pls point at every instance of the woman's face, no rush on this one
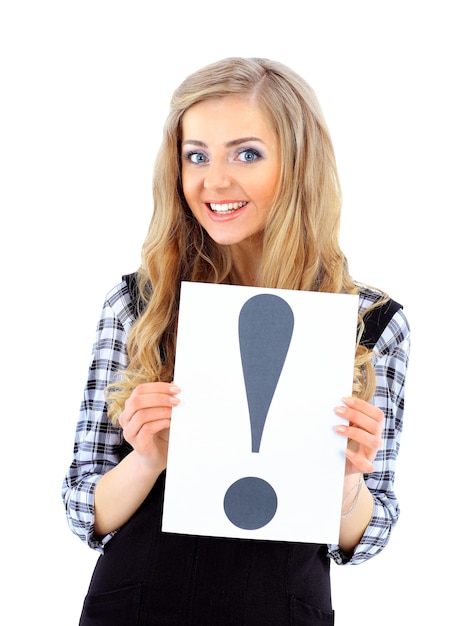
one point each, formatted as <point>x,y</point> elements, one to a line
<point>230,167</point>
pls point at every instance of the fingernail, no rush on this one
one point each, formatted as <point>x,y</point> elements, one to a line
<point>173,400</point>
<point>174,389</point>
<point>340,410</point>
<point>340,429</point>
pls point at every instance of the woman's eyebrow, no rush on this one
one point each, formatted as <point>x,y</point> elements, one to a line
<point>237,142</point>
<point>194,142</point>
<point>229,144</point>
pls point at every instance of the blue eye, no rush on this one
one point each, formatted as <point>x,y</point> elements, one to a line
<point>248,155</point>
<point>195,157</point>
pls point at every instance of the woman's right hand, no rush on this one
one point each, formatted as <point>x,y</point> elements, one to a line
<point>145,421</point>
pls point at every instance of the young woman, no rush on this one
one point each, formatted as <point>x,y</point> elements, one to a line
<point>245,192</point>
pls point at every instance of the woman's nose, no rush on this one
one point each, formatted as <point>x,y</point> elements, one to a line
<point>217,176</point>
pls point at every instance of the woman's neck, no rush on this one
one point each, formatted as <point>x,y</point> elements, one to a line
<point>247,264</point>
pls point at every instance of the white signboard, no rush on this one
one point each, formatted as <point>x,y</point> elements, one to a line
<point>252,448</point>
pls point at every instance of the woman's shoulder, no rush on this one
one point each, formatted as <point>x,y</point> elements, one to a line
<point>120,301</point>
<point>370,296</point>
<point>381,318</point>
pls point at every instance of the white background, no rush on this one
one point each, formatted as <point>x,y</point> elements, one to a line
<point>85,88</point>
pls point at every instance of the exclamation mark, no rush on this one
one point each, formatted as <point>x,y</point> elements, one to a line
<point>265,331</point>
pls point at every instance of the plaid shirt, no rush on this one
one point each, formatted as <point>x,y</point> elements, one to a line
<point>98,443</point>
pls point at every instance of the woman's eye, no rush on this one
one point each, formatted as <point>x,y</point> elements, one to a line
<point>249,155</point>
<point>196,157</point>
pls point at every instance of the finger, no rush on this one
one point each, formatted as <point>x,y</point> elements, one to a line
<point>365,465</point>
<point>359,405</point>
<point>153,428</point>
<point>140,432</point>
<point>163,435</point>
<point>131,423</point>
<point>372,424</point>
<point>156,387</point>
<point>146,407</point>
<point>362,437</point>
<point>138,401</point>
<point>363,422</point>
<point>149,435</point>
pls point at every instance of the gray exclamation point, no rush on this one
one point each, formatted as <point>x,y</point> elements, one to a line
<point>265,331</point>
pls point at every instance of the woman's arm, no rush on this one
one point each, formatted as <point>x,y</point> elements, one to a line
<point>364,433</point>
<point>145,422</point>
<point>366,531</point>
<point>103,487</point>
<point>98,445</point>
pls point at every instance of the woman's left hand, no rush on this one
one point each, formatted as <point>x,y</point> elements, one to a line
<point>364,433</point>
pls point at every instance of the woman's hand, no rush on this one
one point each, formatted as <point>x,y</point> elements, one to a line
<point>364,438</point>
<point>146,418</point>
<point>145,422</point>
<point>364,433</point>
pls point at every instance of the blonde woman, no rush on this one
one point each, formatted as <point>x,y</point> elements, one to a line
<point>245,192</point>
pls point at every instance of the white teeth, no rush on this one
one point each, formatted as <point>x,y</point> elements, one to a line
<point>226,208</point>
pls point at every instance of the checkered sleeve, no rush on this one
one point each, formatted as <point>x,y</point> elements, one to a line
<point>97,442</point>
<point>391,354</point>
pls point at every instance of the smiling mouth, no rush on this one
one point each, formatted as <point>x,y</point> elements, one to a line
<point>224,209</point>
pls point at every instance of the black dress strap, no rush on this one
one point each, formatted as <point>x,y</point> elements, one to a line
<point>376,322</point>
<point>137,304</point>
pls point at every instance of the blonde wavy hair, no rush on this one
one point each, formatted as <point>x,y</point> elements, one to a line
<point>300,241</point>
